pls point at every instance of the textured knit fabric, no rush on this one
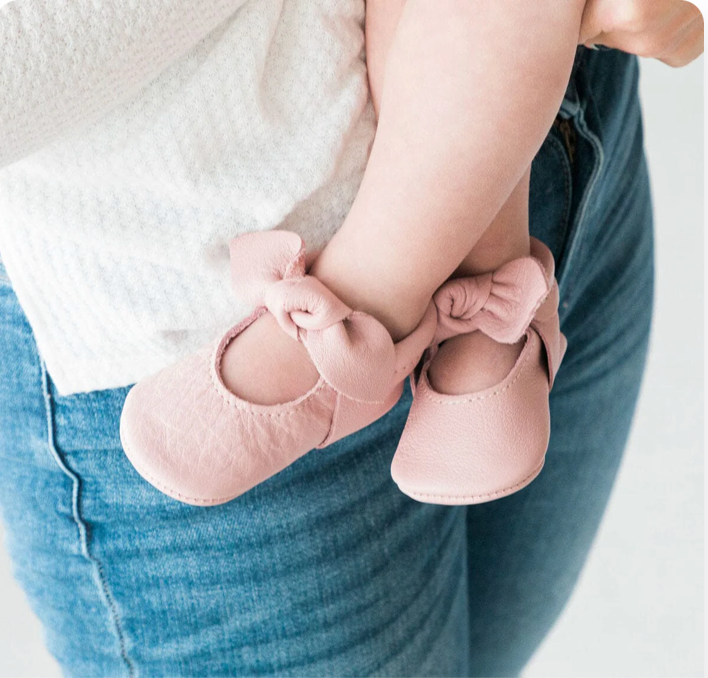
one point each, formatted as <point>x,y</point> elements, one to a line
<point>138,136</point>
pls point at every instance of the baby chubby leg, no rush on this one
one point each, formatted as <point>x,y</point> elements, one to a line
<point>463,111</point>
<point>472,362</point>
<point>468,93</point>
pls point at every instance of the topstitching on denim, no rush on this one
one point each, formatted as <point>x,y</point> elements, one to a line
<point>82,528</point>
<point>559,150</point>
<point>574,108</point>
<point>579,219</point>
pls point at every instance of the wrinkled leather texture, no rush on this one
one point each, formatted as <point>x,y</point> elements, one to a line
<point>482,446</point>
<point>197,442</point>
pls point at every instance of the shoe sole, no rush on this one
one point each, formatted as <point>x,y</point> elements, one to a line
<point>471,499</point>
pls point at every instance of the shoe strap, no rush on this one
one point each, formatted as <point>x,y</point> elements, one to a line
<point>547,323</point>
<point>499,304</point>
<point>352,351</point>
<point>410,349</point>
<point>503,304</point>
<point>546,320</point>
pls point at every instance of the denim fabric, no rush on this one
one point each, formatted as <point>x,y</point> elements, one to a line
<point>327,569</point>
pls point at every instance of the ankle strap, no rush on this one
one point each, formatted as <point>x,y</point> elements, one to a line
<point>499,304</point>
<point>505,303</point>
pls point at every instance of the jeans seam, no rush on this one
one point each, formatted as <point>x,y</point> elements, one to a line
<point>568,188</point>
<point>579,220</point>
<point>82,528</point>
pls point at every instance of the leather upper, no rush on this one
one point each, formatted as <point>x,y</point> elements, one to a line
<point>472,448</point>
<point>188,435</point>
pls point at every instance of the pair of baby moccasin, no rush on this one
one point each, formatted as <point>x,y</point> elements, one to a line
<point>197,442</point>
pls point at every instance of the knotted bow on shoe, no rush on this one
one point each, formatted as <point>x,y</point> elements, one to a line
<point>352,351</point>
<point>503,304</point>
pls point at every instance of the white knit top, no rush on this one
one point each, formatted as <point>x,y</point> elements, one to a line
<point>138,136</point>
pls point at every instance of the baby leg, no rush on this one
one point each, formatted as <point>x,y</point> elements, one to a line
<point>463,112</point>
<point>472,362</point>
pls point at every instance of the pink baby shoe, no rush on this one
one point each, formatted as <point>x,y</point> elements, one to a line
<point>196,441</point>
<point>469,449</point>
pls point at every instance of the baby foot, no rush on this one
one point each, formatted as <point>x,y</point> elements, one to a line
<point>222,420</point>
<point>472,362</point>
<point>479,425</point>
<point>266,366</point>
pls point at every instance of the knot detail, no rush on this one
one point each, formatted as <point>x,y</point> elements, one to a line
<point>505,303</point>
<point>461,299</point>
<point>500,304</point>
<point>304,303</point>
<point>353,352</point>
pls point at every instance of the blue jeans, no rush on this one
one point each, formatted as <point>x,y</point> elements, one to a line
<point>327,569</point>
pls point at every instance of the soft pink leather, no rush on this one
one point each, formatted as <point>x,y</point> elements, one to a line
<point>500,304</point>
<point>481,446</point>
<point>194,440</point>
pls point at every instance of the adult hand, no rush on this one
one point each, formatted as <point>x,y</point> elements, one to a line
<point>668,30</point>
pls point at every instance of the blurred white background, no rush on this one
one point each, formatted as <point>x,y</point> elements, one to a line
<point>638,611</point>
